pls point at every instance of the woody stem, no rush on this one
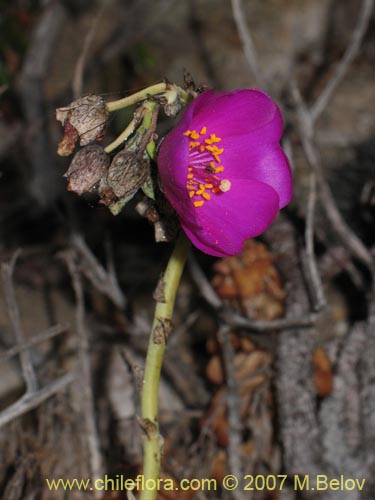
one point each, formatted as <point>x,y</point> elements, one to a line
<point>160,329</point>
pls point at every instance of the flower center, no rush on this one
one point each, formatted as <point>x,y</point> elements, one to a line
<point>205,171</point>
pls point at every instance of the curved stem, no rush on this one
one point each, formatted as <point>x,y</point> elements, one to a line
<point>161,327</point>
<point>121,138</point>
<point>159,88</point>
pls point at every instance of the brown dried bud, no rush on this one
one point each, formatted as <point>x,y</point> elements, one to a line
<point>87,168</point>
<point>127,173</point>
<point>88,115</point>
<point>67,143</point>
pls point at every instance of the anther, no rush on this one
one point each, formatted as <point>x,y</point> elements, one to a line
<point>204,165</point>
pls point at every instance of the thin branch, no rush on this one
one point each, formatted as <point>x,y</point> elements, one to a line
<point>233,405</point>
<point>118,296</point>
<point>246,39</point>
<point>337,259</point>
<point>30,401</point>
<point>28,373</point>
<point>136,373</point>
<point>204,286</point>
<point>339,226</point>
<point>104,281</point>
<point>177,367</point>
<point>235,320</point>
<point>44,183</point>
<point>84,367</point>
<point>347,59</point>
<point>79,69</point>
<point>288,149</point>
<point>314,280</point>
<point>48,334</point>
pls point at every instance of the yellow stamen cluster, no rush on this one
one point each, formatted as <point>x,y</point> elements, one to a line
<point>201,188</point>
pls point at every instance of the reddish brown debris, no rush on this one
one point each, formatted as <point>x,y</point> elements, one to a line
<point>251,283</point>
<point>67,144</point>
<point>323,375</point>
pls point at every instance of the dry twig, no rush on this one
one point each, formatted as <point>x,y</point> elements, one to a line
<point>335,260</point>
<point>350,54</point>
<point>48,334</point>
<point>32,400</point>
<point>77,83</point>
<point>28,373</point>
<point>339,226</point>
<point>43,182</point>
<point>233,405</point>
<point>84,369</point>
<point>247,41</point>
<point>104,281</point>
<point>316,287</point>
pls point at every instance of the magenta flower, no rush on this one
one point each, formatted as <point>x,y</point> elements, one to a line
<point>223,170</point>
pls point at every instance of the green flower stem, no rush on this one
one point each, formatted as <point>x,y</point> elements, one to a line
<point>121,138</point>
<point>148,110</point>
<point>159,88</point>
<point>147,120</point>
<point>160,329</point>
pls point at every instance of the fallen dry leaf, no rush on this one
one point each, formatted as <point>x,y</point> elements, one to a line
<point>251,283</point>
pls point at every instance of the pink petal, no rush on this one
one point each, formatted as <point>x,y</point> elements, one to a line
<point>254,158</point>
<point>238,112</point>
<point>228,219</point>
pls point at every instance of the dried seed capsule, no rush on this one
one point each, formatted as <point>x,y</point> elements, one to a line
<point>88,115</point>
<point>127,173</point>
<point>87,168</point>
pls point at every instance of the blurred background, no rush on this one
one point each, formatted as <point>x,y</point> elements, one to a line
<point>270,369</point>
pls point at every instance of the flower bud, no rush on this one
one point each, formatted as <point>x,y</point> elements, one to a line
<point>85,118</point>
<point>87,168</point>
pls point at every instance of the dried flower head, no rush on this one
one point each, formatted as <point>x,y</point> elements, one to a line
<point>85,118</point>
<point>223,170</point>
